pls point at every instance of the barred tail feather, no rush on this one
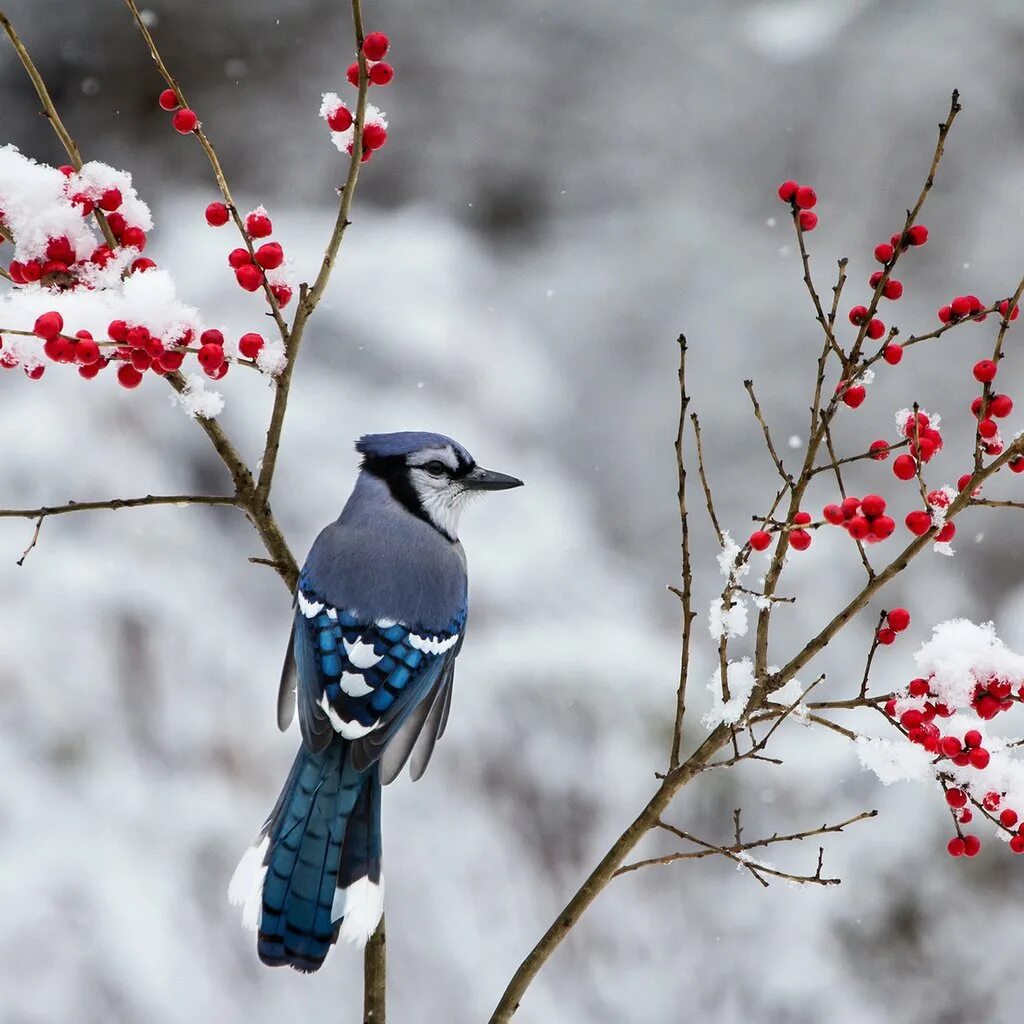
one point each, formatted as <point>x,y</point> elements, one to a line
<point>359,898</point>
<point>286,882</point>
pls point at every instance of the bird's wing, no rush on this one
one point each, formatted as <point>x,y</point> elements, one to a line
<point>376,683</point>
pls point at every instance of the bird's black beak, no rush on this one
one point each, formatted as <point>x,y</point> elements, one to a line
<point>478,479</point>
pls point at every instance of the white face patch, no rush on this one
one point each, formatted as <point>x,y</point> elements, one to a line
<point>431,644</point>
<point>446,455</point>
<point>361,655</point>
<point>361,904</point>
<point>348,730</point>
<point>442,499</point>
<point>245,889</point>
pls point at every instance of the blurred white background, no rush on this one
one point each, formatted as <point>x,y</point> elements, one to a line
<point>565,188</point>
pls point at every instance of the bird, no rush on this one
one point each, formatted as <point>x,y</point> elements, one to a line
<point>379,620</point>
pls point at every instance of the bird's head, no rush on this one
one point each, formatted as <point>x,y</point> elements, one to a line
<point>430,474</point>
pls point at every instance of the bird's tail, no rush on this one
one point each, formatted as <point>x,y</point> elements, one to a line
<point>313,874</point>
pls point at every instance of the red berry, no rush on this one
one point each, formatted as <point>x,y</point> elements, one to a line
<point>961,305</point>
<point>886,636</point>
<point>884,252</point>
<point>1000,406</point>
<point>352,74</point>
<point>1017,464</point>
<point>1008,818</point>
<point>239,258</point>
<point>918,687</point>
<point>210,356</point>
<point>759,539</point>
<point>880,449</point>
<point>117,330</point>
<point>966,815</point>
<point>991,801</point>
<point>141,360</point>
<point>800,540</point>
<point>90,370</point>
<point>955,797</point>
<point>110,200</point>
<point>872,505</point>
<point>899,619</point>
<point>892,354</point>
<point>217,215</point>
<point>917,234</point>
<point>167,362</point>
<point>858,314</point>
<point>833,514</point>
<point>258,224</point>
<point>858,527</point>
<point>1004,305</point>
<point>808,218</point>
<point>918,522</point>
<point>282,294</point>
<point>854,396</point>
<point>806,198</point>
<point>87,352</point>
<point>972,846</point>
<point>972,738</point>
<point>249,345</point>
<point>802,518</point>
<point>979,757</point>
<point>945,314</point>
<point>1017,844</point>
<point>339,120</point>
<point>956,847</point>
<point>48,325</point>
<point>270,255</point>
<point>249,277</point>
<point>882,527</point>
<point>184,121</point>
<point>985,371</point>
<point>128,376</point>
<point>946,534</point>
<point>893,289</point>
<point>218,371</point>
<point>904,467</point>
<point>142,264</point>
<point>374,136</point>
<point>787,190</point>
<point>987,428</point>
<point>169,100</point>
<point>949,746</point>
<point>850,506</point>
<point>875,329</point>
<point>381,74</point>
<point>375,46</point>
<point>34,372</point>
<point>133,238</point>
<point>117,224</point>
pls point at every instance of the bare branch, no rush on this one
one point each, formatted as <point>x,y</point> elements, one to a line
<point>704,481</point>
<point>787,479</point>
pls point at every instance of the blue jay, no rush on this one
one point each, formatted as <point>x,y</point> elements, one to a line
<point>380,615</point>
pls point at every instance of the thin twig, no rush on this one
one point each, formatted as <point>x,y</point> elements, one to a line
<point>787,479</point>
<point>218,171</point>
<point>704,481</point>
<point>51,115</point>
<point>687,575</point>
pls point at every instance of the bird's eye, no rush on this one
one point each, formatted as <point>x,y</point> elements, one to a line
<point>436,468</point>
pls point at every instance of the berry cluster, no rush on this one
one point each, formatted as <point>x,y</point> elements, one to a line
<point>802,199</point>
<point>896,621</point>
<point>799,538</point>
<point>253,265</point>
<point>184,120</point>
<point>921,429</point>
<point>863,519</point>
<point>76,256</point>
<point>375,48</point>
<point>132,347</point>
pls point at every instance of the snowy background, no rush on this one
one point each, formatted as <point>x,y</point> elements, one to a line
<point>566,187</point>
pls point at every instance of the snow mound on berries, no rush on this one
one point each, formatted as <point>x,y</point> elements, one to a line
<point>148,299</point>
<point>961,654</point>
<point>740,676</point>
<point>342,140</point>
<point>894,760</point>
<point>272,358</point>
<point>35,200</point>
<point>196,401</point>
